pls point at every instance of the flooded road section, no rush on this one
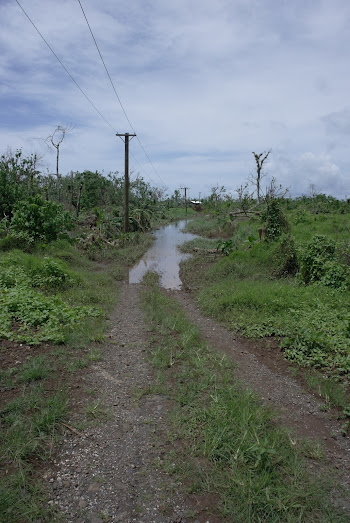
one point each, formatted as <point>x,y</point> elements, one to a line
<point>164,257</point>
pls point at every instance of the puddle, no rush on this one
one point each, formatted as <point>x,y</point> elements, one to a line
<point>163,257</point>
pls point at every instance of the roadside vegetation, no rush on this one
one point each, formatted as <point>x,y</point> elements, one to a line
<point>62,253</point>
<point>222,442</point>
<point>292,286</point>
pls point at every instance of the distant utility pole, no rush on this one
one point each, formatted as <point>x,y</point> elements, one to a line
<point>126,179</point>
<point>199,199</point>
<point>185,189</point>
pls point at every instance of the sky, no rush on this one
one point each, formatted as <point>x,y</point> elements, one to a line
<point>204,83</point>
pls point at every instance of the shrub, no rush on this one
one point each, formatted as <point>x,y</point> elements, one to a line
<point>318,263</point>
<point>276,222</point>
<point>40,219</point>
<point>287,257</point>
<point>335,275</point>
<point>313,257</point>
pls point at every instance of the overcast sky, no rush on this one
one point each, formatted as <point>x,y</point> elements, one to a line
<point>203,82</point>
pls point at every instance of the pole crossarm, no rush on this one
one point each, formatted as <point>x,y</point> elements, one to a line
<point>131,136</point>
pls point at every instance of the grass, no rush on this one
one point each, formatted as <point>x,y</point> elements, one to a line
<point>244,290</point>
<point>49,295</point>
<point>30,426</point>
<point>231,445</point>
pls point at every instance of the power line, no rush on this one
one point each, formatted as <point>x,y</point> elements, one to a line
<point>71,77</point>
<point>114,89</point>
<point>65,68</point>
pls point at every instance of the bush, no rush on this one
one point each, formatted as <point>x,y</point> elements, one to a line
<point>335,275</point>
<point>39,219</point>
<point>313,257</point>
<point>318,263</point>
<point>26,314</point>
<point>276,222</point>
<point>287,257</point>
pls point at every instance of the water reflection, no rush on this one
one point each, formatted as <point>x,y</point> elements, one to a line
<point>164,257</point>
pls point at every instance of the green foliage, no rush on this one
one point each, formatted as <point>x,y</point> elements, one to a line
<point>226,247</point>
<point>301,216</point>
<point>39,219</point>
<point>276,222</point>
<point>318,263</point>
<point>287,261</point>
<point>27,314</point>
<point>40,318</point>
<point>18,179</point>
<point>312,321</point>
<point>46,273</point>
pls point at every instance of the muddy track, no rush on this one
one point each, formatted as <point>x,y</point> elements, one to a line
<point>110,472</point>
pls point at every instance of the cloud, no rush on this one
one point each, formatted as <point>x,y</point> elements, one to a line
<point>204,83</point>
<point>338,122</point>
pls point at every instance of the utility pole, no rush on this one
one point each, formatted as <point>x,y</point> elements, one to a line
<point>199,199</point>
<point>185,189</point>
<point>126,178</point>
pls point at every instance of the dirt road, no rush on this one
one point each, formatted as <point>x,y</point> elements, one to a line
<point>112,470</point>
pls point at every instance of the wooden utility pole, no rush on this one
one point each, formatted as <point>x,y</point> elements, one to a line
<point>126,179</point>
<point>185,189</point>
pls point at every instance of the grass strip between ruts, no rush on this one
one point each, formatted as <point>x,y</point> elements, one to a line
<point>231,444</point>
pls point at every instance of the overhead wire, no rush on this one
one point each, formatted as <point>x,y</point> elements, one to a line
<point>117,95</point>
<point>65,68</point>
<point>71,76</point>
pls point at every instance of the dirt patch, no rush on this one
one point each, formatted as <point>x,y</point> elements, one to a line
<point>13,355</point>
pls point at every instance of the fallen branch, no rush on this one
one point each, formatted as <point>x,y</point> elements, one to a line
<point>236,213</point>
<point>73,430</point>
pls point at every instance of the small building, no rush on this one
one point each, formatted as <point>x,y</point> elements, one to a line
<point>196,204</point>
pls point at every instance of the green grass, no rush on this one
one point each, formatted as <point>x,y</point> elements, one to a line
<point>312,321</point>
<point>200,244</point>
<point>30,426</point>
<point>335,226</point>
<point>232,446</point>
<point>204,226</point>
<point>36,368</point>
<point>244,291</point>
<point>22,500</point>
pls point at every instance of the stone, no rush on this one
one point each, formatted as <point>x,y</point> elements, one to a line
<point>93,488</point>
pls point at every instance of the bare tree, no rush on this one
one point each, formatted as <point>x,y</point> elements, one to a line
<point>260,159</point>
<point>217,191</point>
<point>55,139</point>
<point>274,191</point>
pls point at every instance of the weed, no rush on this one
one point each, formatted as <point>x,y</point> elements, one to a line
<point>94,355</point>
<point>97,411</point>
<point>36,368</point>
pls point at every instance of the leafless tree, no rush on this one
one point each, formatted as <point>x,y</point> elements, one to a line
<point>55,139</point>
<point>217,191</point>
<point>275,191</point>
<point>158,193</point>
<point>260,159</point>
<point>314,192</point>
